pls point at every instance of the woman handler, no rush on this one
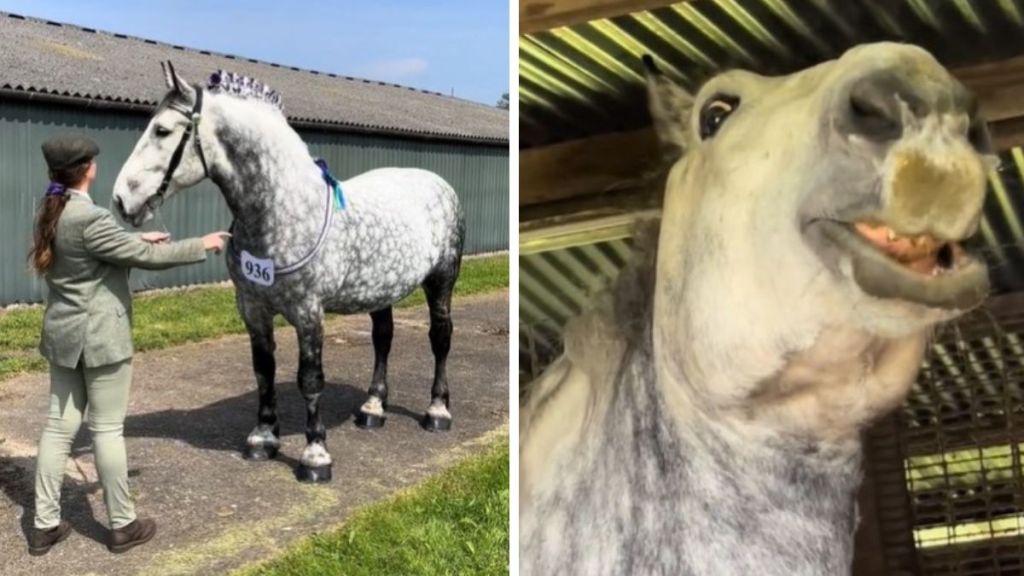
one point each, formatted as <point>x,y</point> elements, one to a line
<point>85,258</point>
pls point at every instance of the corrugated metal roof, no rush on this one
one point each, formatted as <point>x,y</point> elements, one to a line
<point>585,79</point>
<point>53,58</point>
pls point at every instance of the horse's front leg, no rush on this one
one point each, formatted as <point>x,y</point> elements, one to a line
<point>264,440</point>
<point>315,463</point>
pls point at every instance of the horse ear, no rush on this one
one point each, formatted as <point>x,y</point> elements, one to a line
<point>176,82</point>
<point>670,107</point>
<point>168,76</point>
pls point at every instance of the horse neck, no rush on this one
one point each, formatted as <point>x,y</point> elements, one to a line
<point>729,471</point>
<point>275,192</point>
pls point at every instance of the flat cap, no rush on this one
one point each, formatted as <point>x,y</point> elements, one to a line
<point>67,150</point>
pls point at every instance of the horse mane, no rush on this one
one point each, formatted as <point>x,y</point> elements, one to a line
<point>243,87</point>
<point>619,316</point>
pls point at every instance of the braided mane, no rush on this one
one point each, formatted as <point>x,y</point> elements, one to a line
<point>243,87</point>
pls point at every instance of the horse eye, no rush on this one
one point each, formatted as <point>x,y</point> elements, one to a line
<point>160,131</point>
<point>714,113</point>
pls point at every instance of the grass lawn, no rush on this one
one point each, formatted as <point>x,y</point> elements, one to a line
<point>160,320</point>
<point>454,523</point>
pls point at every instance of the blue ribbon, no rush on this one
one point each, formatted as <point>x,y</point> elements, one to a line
<point>55,189</point>
<point>339,197</point>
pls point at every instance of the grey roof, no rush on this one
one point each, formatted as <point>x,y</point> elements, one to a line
<point>39,56</point>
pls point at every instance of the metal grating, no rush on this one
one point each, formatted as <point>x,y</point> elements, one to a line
<point>583,80</point>
<point>962,434</point>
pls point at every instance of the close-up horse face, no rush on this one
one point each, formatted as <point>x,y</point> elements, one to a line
<point>137,191</point>
<point>844,190</point>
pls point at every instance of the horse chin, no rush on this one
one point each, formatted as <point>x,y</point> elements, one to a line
<point>921,272</point>
<point>141,217</point>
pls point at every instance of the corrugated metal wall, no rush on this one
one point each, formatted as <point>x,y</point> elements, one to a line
<point>478,173</point>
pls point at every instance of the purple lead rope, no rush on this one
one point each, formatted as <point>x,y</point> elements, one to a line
<point>55,189</point>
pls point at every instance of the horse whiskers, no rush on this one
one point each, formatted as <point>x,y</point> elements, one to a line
<point>158,213</point>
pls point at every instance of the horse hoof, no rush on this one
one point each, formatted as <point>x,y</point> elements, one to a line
<point>436,423</point>
<point>258,453</point>
<point>369,421</point>
<point>314,474</point>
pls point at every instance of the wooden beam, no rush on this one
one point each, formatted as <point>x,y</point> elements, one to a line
<point>1007,133</point>
<point>998,85</point>
<point>540,15</point>
<point>583,167</point>
<point>609,162</point>
<point>581,232</point>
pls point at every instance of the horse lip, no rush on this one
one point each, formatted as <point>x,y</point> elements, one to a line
<point>139,218</point>
<point>878,275</point>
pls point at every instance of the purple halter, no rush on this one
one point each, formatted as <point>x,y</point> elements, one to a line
<point>55,189</point>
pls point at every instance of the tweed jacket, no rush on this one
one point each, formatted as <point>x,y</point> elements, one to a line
<point>89,305</point>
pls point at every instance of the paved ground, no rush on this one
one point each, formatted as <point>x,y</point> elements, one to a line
<point>192,407</point>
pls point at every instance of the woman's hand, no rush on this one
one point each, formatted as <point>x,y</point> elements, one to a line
<point>156,237</point>
<point>216,241</point>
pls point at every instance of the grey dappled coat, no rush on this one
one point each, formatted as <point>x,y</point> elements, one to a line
<point>89,303</point>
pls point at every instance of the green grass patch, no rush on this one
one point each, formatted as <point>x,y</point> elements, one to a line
<point>455,523</point>
<point>174,318</point>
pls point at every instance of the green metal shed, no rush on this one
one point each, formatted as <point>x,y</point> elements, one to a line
<point>57,77</point>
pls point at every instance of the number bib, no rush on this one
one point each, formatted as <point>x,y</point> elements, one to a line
<point>257,270</point>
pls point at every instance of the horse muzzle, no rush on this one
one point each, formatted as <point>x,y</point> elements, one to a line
<point>134,215</point>
<point>911,246</point>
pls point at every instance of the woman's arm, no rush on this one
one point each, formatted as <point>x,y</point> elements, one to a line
<point>155,237</point>
<point>107,241</point>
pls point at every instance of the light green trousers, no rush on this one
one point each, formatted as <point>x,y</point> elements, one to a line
<point>104,390</point>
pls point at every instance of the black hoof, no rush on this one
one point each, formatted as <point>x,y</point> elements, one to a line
<point>260,452</point>
<point>436,423</point>
<point>313,474</point>
<point>369,421</point>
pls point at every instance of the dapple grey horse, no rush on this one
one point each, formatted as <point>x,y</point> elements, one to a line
<point>705,416</point>
<point>303,243</point>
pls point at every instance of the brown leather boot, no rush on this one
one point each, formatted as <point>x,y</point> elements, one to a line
<point>138,532</point>
<point>40,541</point>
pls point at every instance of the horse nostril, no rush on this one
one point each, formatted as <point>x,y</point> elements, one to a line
<point>119,204</point>
<point>875,104</point>
<point>874,114</point>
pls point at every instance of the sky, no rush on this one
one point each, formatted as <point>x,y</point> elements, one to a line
<point>441,45</point>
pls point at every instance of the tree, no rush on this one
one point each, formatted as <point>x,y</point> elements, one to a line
<point>503,103</point>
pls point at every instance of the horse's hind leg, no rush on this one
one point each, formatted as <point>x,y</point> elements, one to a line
<point>315,462</point>
<point>371,413</point>
<point>438,288</point>
<point>263,442</point>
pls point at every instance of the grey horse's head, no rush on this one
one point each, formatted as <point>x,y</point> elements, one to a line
<point>186,140</point>
<point>833,198</point>
<point>137,185</point>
